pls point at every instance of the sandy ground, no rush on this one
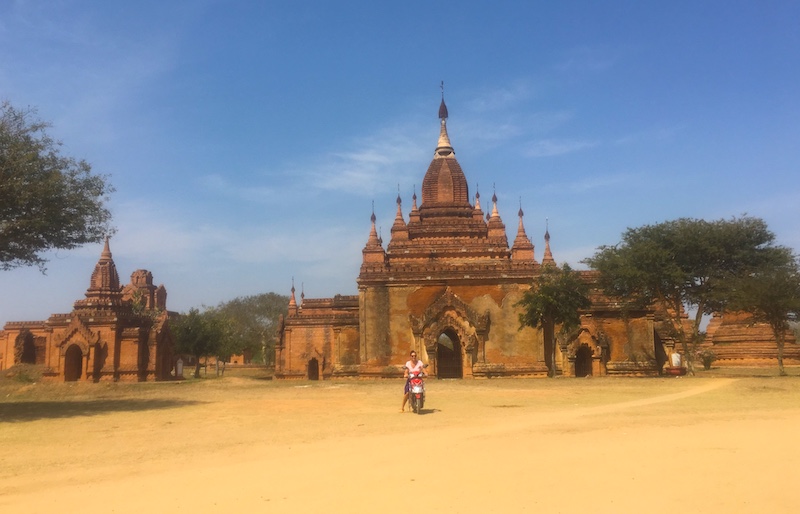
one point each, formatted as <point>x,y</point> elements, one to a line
<point>244,445</point>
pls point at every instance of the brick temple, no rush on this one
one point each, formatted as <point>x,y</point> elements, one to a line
<point>446,285</point>
<point>114,333</point>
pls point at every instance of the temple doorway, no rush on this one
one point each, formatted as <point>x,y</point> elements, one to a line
<point>73,363</point>
<point>313,369</point>
<point>448,356</point>
<point>583,361</point>
<point>28,354</point>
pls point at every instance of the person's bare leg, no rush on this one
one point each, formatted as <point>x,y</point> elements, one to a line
<point>405,399</point>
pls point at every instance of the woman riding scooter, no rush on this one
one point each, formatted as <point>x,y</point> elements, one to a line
<point>412,366</point>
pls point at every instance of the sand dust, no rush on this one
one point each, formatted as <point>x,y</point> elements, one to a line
<point>565,445</point>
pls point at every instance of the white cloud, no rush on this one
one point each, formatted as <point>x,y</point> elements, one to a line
<point>370,165</point>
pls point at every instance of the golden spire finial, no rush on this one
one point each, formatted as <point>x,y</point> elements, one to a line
<point>443,148</point>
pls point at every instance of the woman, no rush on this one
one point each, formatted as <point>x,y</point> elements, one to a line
<point>412,366</point>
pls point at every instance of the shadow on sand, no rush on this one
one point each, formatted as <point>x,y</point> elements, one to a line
<point>14,412</point>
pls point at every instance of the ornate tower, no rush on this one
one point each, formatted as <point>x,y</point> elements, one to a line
<point>104,289</point>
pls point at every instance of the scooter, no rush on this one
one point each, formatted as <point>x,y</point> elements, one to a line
<point>416,391</point>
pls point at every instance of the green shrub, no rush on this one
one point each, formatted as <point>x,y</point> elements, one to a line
<point>707,357</point>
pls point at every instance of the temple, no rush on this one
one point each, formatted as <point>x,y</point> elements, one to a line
<point>114,333</point>
<point>447,285</point>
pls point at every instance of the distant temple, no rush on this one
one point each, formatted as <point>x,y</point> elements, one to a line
<point>115,333</point>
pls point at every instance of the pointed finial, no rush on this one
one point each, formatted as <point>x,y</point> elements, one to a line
<point>106,253</point>
<point>442,106</point>
<point>292,301</point>
<point>520,208</point>
<point>548,254</point>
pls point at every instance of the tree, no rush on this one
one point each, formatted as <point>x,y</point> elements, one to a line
<point>242,326</point>
<point>556,297</point>
<point>253,321</point>
<point>198,334</point>
<point>771,294</point>
<point>683,265</point>
<point>47,200</point>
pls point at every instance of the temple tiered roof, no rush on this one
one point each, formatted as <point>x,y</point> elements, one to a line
<point>446,233</point>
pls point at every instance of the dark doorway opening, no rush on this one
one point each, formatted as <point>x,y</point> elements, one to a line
<point>448,356</point>
<point>583,361</point>
<point>73,363</point>
<point>313,369</point>
<point>28,355</point>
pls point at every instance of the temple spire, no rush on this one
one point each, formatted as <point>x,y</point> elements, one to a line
<point>373,232</point>
<point>522,248</point>
<point>373,252</point>
<point>104,287</point>
<point>443,148</point>
<point>105,278</point>
<point>495,224</point>
<point>106,253</point>
<point>413,216</point>
<point>292,301</point>
<point>477,213</point>
<point>399,228</point>
<point>548,255</point>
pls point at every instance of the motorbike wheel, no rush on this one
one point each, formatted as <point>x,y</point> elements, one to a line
<point>419,405</point>
<point>413,399</point>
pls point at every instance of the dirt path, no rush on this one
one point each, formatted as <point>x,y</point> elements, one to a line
<point>497,456</point>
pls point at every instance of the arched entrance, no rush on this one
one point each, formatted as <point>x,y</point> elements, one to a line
<point>448,356</point>
<point>583,361</point>
<point>28,353</point>
<point>73,363</point>
<point>313,369</point>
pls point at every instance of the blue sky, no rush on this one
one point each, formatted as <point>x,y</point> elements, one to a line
<point>248,140</point>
